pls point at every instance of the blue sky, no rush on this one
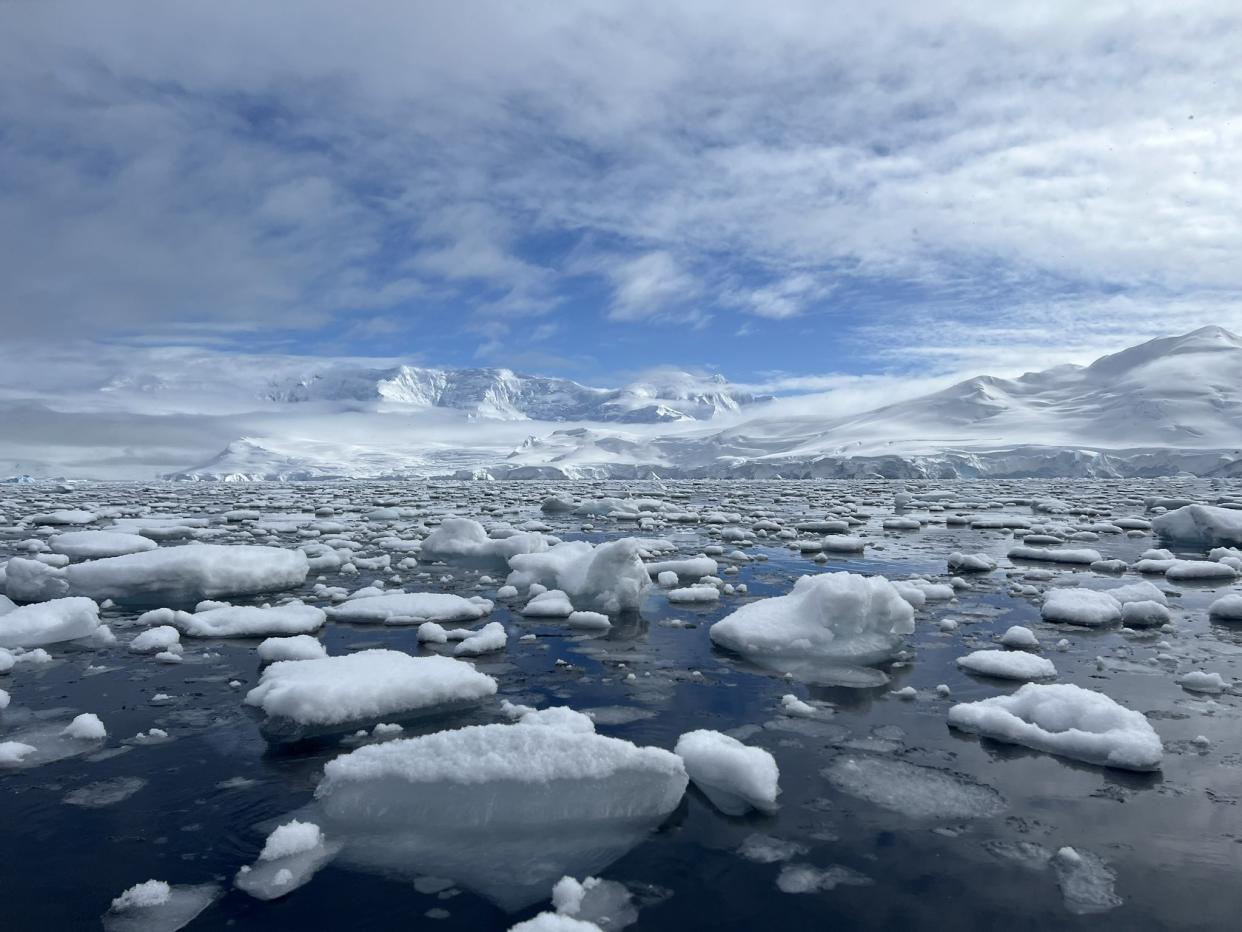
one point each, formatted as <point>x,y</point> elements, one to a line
<point>788,193</point>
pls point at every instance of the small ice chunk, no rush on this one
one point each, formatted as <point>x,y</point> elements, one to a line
<point>298,647</point>
<point>410,608</point>
<point>48,622</point>
<point>1087,608</point>
<point>154,640</point>
<point>1200,682</point>
<point>733,776</point>
<point>1086,882</point>
<point>552,603</point>
<point>491,637</point>
<point>1020,638</point>
<point>155,906</point>
<point>86,727</point>
<point>805,878</point>
<point>913,790</point>
<point>1008,665</point>
<point>592,620</point>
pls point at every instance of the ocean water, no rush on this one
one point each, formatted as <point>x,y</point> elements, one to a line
<point>970,852</point>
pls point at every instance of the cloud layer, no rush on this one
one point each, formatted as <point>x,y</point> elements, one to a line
<point>974,186</point>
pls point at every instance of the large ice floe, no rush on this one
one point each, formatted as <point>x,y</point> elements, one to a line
<point>169,575</point>
<point>48,622</point>
<point>410,608</point>
<point>607,578</point>
<point>1202,525</point>
<point>1067,720</point>
<point>306,697</point>
<point>834,620</point>
<point>504,810</point>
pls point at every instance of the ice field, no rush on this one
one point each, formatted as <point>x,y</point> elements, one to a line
<point>594,705</point>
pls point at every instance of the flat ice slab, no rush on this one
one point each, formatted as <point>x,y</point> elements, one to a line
<point>170,575</point>
<point>337,691</point>
<point>1067,720</point>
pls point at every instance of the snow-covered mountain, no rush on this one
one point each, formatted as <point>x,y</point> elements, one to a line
<point>1167,405</point>
<point>486,393</point>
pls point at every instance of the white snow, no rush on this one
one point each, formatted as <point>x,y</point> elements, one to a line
<point>1067,720</point>
<point>86,727</point>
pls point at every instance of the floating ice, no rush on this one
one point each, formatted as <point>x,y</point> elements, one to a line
<point>290,857</point>
<point>1086,882</point>
<point>605,903</point>
<point>154,640</point>
<point>1020,638</point>
<point>298,647</point>
<point>491,637</point>
<point>1198,681</point>
<point>1067,720</point>
<point>550,604</point>
<point>48,622</point>
<point>805,878</point>
<point>86,727</point>
<point>1055,556</point>
<point>1008,665</point>
<point>505,810</point>
<point>1183,570</point>
<point>694,595</point>
<point>302,696</point>
<point>733,776</point>
<point>1087,608</point>
<point>609,578</point>
<point>833,616</point>
<point>1226,608</point>
<point>971,563</point>
<point>169,575</point>
<point>463,539</point>
<point>913,790</point>
<point>91,545</point>
<point>155,906</point>
<point>411,608</point>
<point>240,621</point>
<point>1203,525</point>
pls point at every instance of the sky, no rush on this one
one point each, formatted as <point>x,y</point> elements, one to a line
<point>818,195</point>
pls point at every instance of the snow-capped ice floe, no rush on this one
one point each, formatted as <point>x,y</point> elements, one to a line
<point>609,578</point>
<point>1192,570</point>
<point>410,608</point>
<point>914,790</point>
<point>1226,608</point>
<point>306,697</point>
<point>290,857</point>
<point>465,540</point>
<point>736,778</point>
<point>1060,555</point>
<point>971,563</point>
<point>1087,608</point>
<point>91,545</point>
<point>49,622</point>
<point>169,575</point>
<point>1202,525</point>
<point>837,617</point>
<point>1067,720</point>
<point>694,595</point>
<point>504,810</point>
<point>491,637</point>
<point>154,640</point>
<point>1019,638</point>
<point>298,647</point>
<point>1008,665</point>
<point>216,620</point>
<point>156,906</point>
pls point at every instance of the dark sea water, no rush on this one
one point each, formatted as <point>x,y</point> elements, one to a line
<point>196,807</point>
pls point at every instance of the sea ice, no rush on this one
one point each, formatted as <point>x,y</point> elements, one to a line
<point>733,776</point>
<point>49,622</point>
<point>332,692</point>
<point>1008,665</point>
<point>1067,720</point>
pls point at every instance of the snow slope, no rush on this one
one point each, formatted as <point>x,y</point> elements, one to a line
<point>1168,405</point>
